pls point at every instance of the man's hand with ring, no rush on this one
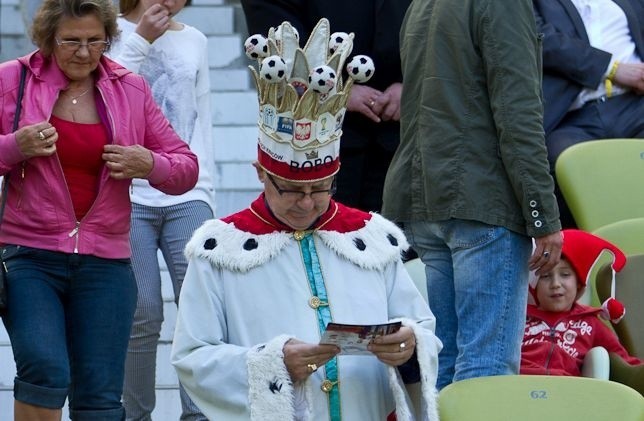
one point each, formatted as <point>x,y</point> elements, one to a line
<point>361,99</point>
<point>395,348</point>
<point>546,254</point>
<point>302,359</point>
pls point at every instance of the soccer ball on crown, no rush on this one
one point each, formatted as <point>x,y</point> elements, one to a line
<point>361,68</point>
<point>272,69</point>
<point>256,46</point>
<point>337,38</point>
<point>322,79</point>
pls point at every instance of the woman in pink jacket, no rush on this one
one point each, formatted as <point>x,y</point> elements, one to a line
<point>87,128</point>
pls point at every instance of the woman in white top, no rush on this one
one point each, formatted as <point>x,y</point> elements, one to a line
<point>173,58</point>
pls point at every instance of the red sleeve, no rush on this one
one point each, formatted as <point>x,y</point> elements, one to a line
<point>605,337</point>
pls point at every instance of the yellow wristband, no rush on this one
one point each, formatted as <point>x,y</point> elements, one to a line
<point>608,83</point>
<point>613,71</point>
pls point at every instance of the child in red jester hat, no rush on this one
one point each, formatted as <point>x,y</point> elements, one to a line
<point>559,331</point>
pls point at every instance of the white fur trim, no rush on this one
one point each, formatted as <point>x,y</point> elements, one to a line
<point>382,239</point>
<point>404,411</point>
<point>270,391</point>
<point>426,353</point>
<point>224,245</point>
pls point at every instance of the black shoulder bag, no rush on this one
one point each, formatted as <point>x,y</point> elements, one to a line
<point>5,190</point>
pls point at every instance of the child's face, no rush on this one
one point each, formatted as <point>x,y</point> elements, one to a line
<point>173,6</point>
<point>557,289</point>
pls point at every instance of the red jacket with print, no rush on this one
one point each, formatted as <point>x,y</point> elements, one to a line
<point>556,343</point>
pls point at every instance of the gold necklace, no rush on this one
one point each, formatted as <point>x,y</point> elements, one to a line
<point>75,98</point>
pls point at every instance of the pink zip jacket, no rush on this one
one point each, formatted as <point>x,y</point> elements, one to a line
<point>39,211</point>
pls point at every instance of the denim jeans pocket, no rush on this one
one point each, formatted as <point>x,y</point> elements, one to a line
<point>11,251</point>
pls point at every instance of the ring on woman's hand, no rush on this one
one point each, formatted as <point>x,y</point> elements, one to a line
<point>41,135</point>
<point>402,346</point>
<point>546,255</point>
<point>312,367</point>
<point>372,103</point>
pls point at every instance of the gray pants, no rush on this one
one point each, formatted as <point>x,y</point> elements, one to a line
<point>167,229</point>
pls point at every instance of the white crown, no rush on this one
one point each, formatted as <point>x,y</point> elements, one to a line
<point>302,97</point>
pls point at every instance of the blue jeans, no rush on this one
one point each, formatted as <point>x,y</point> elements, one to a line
<point>477,283</point>
<point>69,319</point>
<point>168,229</point>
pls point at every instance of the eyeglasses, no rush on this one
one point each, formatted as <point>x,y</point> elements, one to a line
<point>296,195</point>
<point>73,46</point>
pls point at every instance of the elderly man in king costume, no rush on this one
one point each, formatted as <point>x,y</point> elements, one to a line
<point>263,284</point>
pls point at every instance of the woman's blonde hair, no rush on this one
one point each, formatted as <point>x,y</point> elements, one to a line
<point>126,6</point>
<point>52,12</point>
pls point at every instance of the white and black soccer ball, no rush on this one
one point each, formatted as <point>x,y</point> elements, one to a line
<point>322,79</point>
<point>256,47</point>
<point>336,40</point>
<point>273,69</point>
<point>361,68</point>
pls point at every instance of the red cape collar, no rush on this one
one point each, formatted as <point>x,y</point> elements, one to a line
<point>258,219</point>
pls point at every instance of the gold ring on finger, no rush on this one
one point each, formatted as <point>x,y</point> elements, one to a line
<point>312,367</point>
<point>41,135</point>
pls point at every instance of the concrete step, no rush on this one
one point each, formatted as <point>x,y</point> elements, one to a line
<point>230,79</point>
<point>224,50</point>
<point>235,143</point>
<point>208,19</point>
<point>11,20</point>
<point>235,109</point>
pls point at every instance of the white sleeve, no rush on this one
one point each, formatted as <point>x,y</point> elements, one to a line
<point>204,113</point>
<point>131,50</point>
<point>225,381</point>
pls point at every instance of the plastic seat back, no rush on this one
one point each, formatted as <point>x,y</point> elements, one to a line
<point>628,234</point>
<point>602,181</point>
<point>538,398</point>
<point>416,269</point>
<point>629,289</point>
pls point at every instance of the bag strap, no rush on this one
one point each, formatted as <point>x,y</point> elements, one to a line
<point>16,118</point>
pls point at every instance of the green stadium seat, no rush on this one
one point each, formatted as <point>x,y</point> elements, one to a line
<point>629,289</point>
<point>602,181</point>
<point>416,269</point>
<point>538,398</point>
<point>628,234</point>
